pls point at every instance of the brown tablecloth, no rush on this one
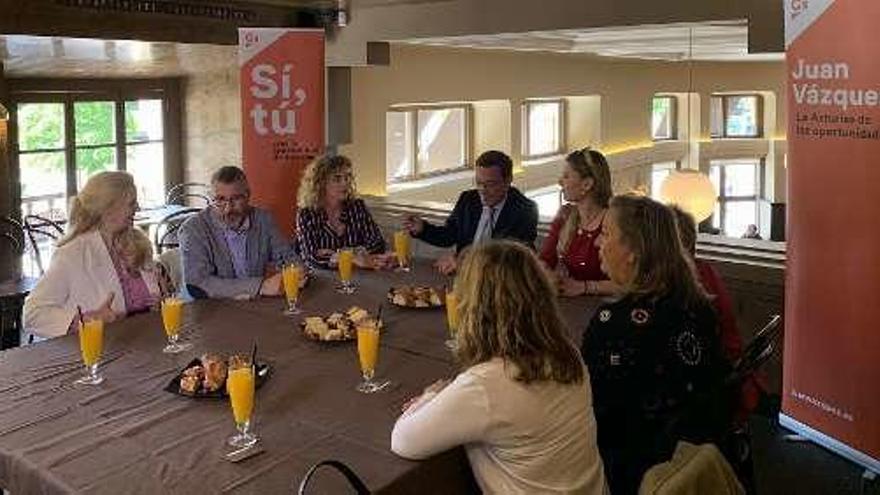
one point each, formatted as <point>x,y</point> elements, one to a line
<point>128,435</point>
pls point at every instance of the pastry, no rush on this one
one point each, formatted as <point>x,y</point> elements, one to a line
<point>191,379</point>
<point>215,372</point>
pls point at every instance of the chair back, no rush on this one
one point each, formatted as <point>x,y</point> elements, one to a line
<point>165,234</point>
<point>763,346</point>
<point>352,478</point>
<point>42,233</point>
<point>189,192</point>
<point>12,233</point>
<point>170,262</point>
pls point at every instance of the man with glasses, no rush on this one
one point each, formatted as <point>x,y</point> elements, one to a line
<point>228,247</point>
<point>494,210</point>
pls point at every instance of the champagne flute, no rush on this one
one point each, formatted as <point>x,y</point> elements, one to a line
<point>292,276</point>
<point>240,387</point>
<point>451,318</point>
<point>401,250</point>
<point>172,317</point>
<point>346,271</point>
<point>91,343</point>
<point>368,355</point>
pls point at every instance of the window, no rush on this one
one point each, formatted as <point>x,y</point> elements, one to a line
<point>663,118</point>
<point>426,141</point>
<point>736,116</point>
<point>739,187</point>
<point>659,173</point>
<point>548,199</point>
<point>542,128</point>
<point>65,136</point>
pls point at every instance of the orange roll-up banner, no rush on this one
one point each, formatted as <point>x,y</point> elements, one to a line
<point>832,336</point>
<point>282,113</point>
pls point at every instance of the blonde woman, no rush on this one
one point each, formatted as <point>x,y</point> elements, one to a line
<point>331,216</point>
<point>521,407</point>
<point>103,265</point>
<point>571,247</point>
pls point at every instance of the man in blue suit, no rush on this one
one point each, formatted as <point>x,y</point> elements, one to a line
<point>494,210</point>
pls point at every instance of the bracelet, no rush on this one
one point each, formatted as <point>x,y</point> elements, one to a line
<point>586,287</point>
<point>590,288</point>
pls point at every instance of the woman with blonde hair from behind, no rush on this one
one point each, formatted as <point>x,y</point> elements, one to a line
<point>103,265</point>
<point>521,405</point>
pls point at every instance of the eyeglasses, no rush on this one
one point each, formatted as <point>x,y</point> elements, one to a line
<point>221,201</point>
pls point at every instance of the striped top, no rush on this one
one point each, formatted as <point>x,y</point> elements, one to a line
<point>313,231</point>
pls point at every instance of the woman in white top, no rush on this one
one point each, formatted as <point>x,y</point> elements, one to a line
<point>522,406</point>
<point>103,265</point>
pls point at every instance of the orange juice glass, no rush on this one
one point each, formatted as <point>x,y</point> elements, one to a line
<point>91,343</point>
<point>451,317</point>
<point>291,276</point>
<point>368,355</point>
<point>346,271</point>
<point>401,250</point>
<point>240,385</point>
<point>172,320</point>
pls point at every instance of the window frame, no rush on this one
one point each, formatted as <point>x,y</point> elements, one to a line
<point>413,150</point>
<point>759,109</point>
<point>673,119</point>
<point>70,91</point>
<point>723,200</point>
<point>526,131</point>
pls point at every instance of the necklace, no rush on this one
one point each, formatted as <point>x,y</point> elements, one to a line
<point>584,226</point>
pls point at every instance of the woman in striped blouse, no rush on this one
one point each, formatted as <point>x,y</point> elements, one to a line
<point>331,217</point>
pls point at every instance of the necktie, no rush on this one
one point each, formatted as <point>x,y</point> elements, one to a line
<point>491,222</point>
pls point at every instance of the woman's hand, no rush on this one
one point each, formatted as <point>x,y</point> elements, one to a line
<point>569,287</point>
<point>433,388</point>
<point>447,264</point>
<point>104,312</point>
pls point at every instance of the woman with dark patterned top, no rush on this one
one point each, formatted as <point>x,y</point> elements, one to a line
<point>571,248</point>
<point>331,217</point>
<point>654,355</point>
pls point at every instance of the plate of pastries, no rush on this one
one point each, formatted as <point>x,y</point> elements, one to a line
<point>414,296</point>
<point>205,377</point>
<point>337,327</point>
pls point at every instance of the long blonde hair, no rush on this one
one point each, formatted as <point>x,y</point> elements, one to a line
<point>314,181</point>
<point>588,164</point>
<point>663,267</point>
<point>103,192</point>
<point>507,309</point>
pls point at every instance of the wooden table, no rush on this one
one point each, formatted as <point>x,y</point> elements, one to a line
<point>129,436</point>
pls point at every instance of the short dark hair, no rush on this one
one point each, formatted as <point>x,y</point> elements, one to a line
<point>229,175</point>
<point>495,158</point>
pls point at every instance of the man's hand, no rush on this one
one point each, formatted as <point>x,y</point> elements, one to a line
<point>447,264</point>
<point>271,286</point>
<point>414,225</point>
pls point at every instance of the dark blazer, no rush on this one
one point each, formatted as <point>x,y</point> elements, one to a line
<point>518,220</point>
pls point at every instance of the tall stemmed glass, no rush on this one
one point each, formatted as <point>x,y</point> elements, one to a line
<point>91,343</point>
<point>292,276</point>
<point>346,271</point>
<point>401,250</point>
<point>240,386</point>
<point>451,318</point>
<point>368,355</point>
<point>172,320</point>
